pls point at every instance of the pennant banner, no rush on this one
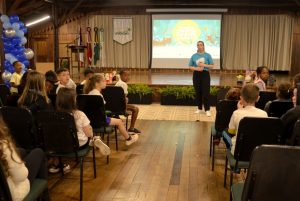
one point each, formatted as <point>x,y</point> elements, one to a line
<point>122,30</point>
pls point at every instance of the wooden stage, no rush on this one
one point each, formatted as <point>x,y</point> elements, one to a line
<point>158,77</point>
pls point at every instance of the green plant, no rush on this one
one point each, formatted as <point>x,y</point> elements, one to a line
<point>140,89</point>
<point>214,90</point>
<point>178,91</point>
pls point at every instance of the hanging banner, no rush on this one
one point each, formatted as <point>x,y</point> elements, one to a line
<point>122,29</point>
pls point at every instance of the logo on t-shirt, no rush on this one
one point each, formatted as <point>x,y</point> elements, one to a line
<point>201,60</point>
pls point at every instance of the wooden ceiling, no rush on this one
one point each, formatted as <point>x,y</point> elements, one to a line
<point>29,9</point>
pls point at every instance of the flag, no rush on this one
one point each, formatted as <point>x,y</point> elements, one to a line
<point>96,46</point>
<point>79,43</point>
<point>89,46</point>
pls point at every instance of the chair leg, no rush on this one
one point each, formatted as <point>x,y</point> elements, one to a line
<point>213,157</point>
<point>61,166</point>
<point>230,195</point>
<point>81,175</point>
<point>116,136</point>
<point>210,144</point>
<point>94,162</point>
<point>107,159</point>
<point>107,139</point>
<point>231,177</point>
<point>225,174</point>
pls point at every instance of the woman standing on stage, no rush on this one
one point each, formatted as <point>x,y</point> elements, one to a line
<point>200,63</point>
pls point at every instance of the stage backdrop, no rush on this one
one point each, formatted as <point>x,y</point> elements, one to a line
<point>175,36</point>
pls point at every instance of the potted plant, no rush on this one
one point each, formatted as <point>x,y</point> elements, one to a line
<point>213,95</point>
<point>177,95</point>
<point>139,94</point>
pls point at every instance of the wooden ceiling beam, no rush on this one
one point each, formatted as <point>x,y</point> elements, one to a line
<point>70,12</point>
<point>15,6</point>
<point>30,7</point>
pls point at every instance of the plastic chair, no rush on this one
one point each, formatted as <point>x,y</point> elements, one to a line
<point>264,97</point>
<point>224,109</point>
<point>36,189</point>
<point>60,139</point>
<point>273,175</point>
<point>252,132</point>
<point>79,89</point>
<point>4,93</point>
<point>94,109</point>
<point>278,108</point>
<point>295,138</point>
<point>115,101</point>
<point>22,126</point>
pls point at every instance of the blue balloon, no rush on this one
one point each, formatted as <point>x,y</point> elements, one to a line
<point>7,25</point>
<point>24,29</point>
<point>26,63</point>
<point>16,41</point>
<point>22,25</point>
<point>5,39</point>
<point>4,18</point>
<point>13,19</point>
<point>6,63</point>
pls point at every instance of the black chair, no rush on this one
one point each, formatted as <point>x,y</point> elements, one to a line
<point>22,127</point>
<point>60,139</point>
<point>37,189</point>
<point>252,132</point>
<point>264,97</point>
<point>295,138</point>
<point>4,93</point>
<point>278,108</point>
<point>273,175</point>
<point>224,109</point>
<point>94,109</point>
<point>115,101</point>
<point>222,93</point>
<point>12,100</point>
<point>79,89</point>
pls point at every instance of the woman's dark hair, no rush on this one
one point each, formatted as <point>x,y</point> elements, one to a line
<point>200,41</point>
<point>51,77</point>
<point>66,100</point>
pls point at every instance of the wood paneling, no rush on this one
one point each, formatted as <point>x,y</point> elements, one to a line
<point>295,66</point>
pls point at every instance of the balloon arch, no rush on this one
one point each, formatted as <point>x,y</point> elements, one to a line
<point>14,45</point>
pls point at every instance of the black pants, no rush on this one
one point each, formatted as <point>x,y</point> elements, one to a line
<point>201,82</point>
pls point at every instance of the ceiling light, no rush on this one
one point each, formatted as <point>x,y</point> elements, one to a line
<point>37,21</point>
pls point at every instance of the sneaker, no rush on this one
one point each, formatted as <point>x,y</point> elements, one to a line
<point>56,169</point>
<point>208,113</point>
<point>133,139</point>
<point>104,149</point>
<point>134,130</point>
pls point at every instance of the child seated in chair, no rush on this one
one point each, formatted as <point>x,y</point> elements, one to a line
<point>246,108</point>
<point>88,73</point>
<point>262,76</point>
<point>93,87</point>
<point>66,102</point>
<point>124,78</point>
<point>21,170</point>
<point>64,80</point>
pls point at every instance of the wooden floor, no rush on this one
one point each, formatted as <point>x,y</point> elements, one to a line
<point>170,162</point>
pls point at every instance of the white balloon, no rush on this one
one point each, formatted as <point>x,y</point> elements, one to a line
<point>28,53</point>
<point>4,18</point>
<point>23,41</point>
<point>6,75</point>
<point>15,26</point>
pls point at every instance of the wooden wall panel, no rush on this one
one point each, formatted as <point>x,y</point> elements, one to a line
<point>295,66</point>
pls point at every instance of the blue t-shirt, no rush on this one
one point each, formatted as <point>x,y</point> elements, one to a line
<point>204,57</point>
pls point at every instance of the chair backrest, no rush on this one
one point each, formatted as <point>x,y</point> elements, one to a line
<point>222,93</point>
<point>255,131</point>
<point>264,97</point>
<point>224,109</point>
<point>94,109</point>
<point>273,174</point>
<point>58,130</point>
<point>295,139</point>
<point>5,194</point>
<point>79,89</point>
<point>4,93</point>
<point>278,108</point>
<point>12,100</point>
<point>115,100</point>
<point>21,125</point>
